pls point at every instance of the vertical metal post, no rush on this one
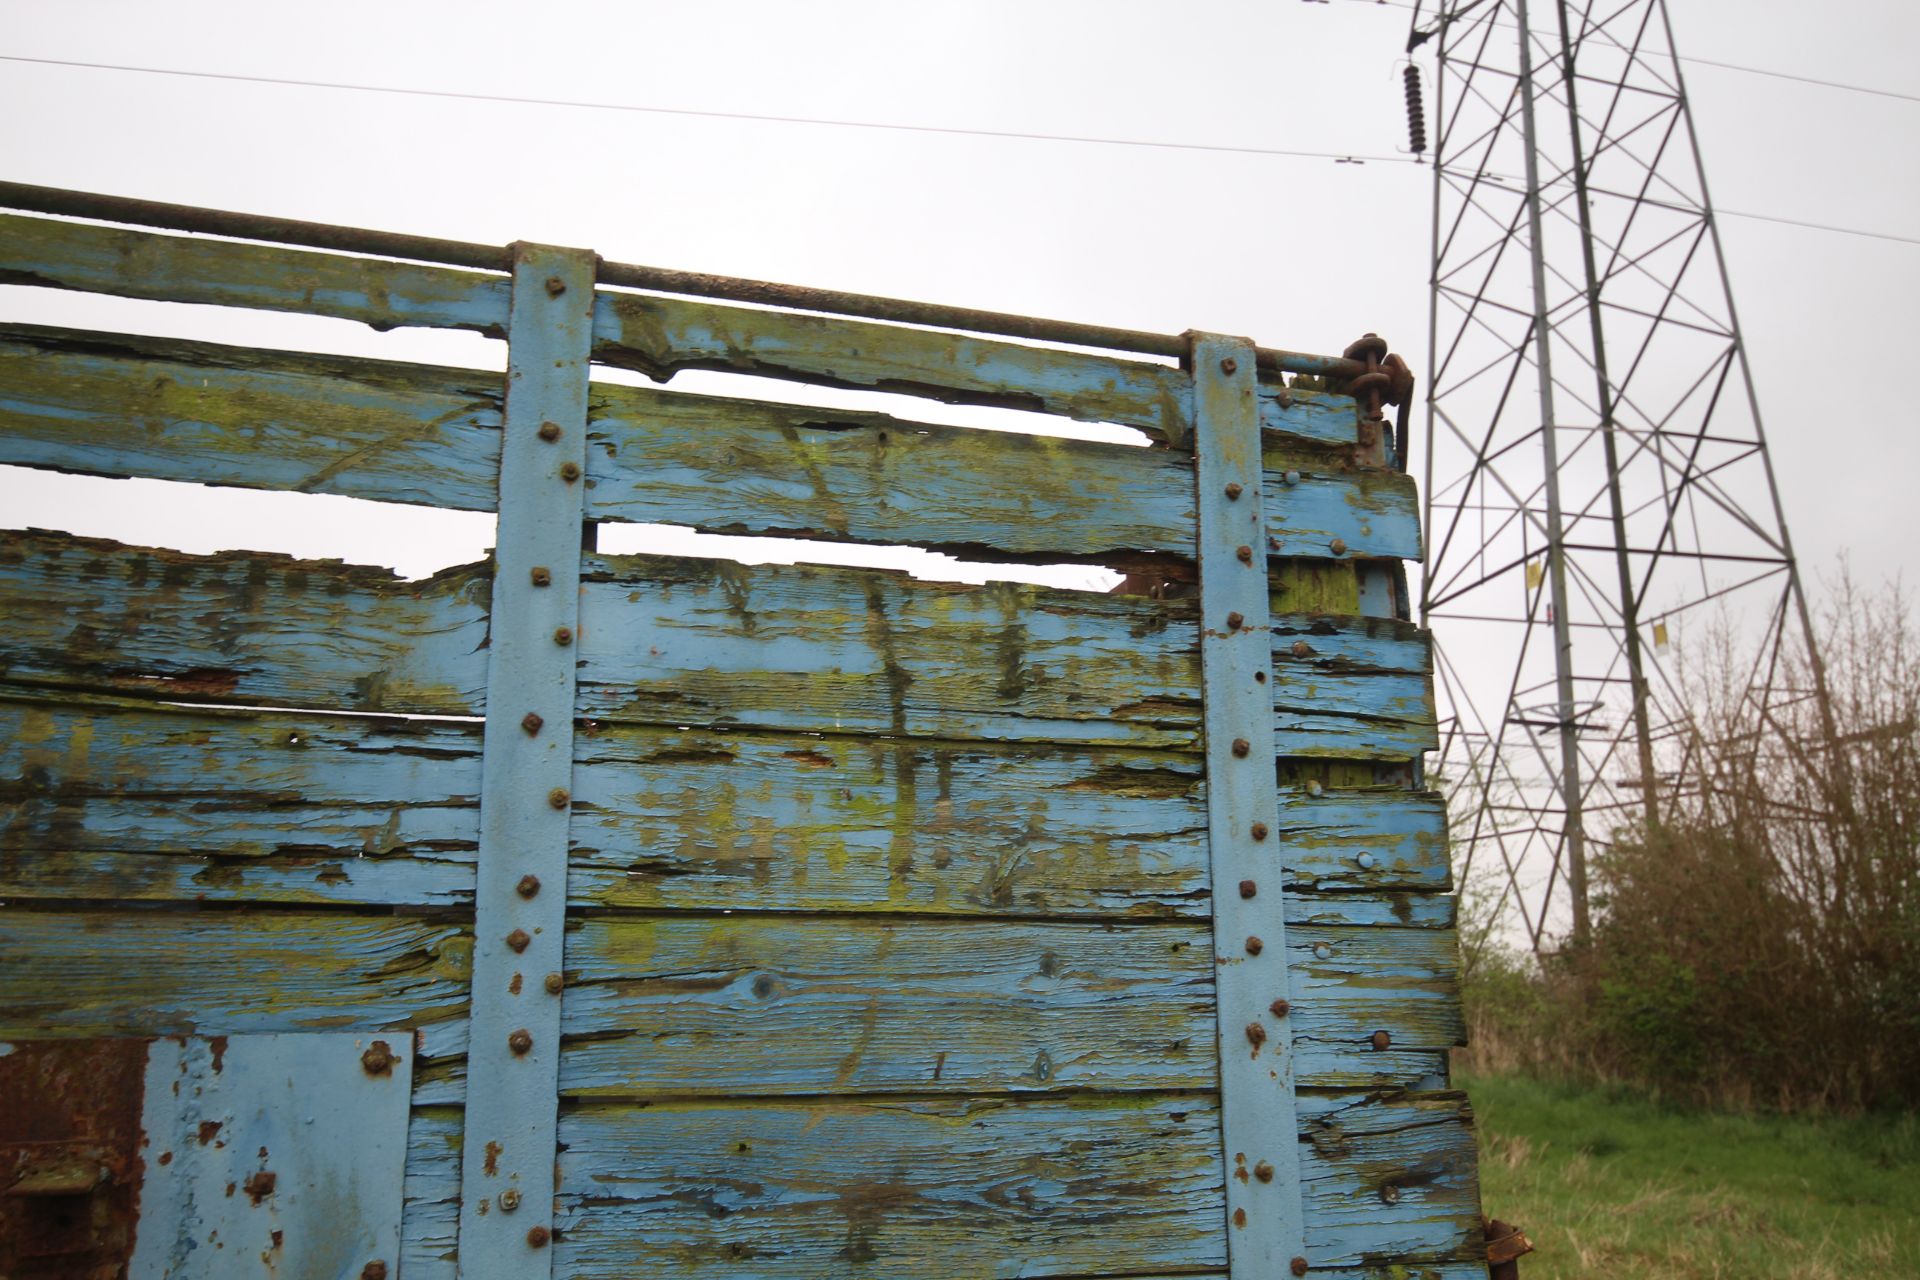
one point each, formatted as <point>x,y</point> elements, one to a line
<point>513,1058</point>
<point>1609,432</point>
<point>1259,1133</point>
<point>1576,835</point>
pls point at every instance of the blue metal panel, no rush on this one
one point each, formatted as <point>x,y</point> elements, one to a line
<point>506,1182</point>
<point>1265,1225</point>
<point>273,1155</point>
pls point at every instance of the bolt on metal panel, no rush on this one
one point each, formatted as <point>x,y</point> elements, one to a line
<point>513,1063</point>
<point>1265,1228</point>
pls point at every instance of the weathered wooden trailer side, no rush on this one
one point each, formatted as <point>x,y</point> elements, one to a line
<point>715,920</point>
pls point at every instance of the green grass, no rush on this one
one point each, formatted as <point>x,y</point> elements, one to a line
<point>1608,1184</point>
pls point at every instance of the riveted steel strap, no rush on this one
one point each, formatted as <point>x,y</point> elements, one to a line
<point>1260,1141</point>
<point>513,1058</point>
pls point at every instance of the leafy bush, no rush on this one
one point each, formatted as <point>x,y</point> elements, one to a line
<point>1760,942</point>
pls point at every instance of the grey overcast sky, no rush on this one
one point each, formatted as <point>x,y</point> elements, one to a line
<point>1302,253</point>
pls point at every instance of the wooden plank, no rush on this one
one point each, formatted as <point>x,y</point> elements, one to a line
<point>110,973</point>
<point>655,334</point>
<point>661,335</point>
<point>744,466</point>
<point>795,648</point>
<point>247,628</point>
<point>112,405</point>
<point>171,268</point>
<point>118,405</point>
<point>814,648</point>
<point>1086,1185</point>
<point>748,1005</point>
<point>777,1208</point>
<point>133,802</point>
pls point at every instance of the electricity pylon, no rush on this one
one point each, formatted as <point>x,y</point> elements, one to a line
<point>1596,473</point>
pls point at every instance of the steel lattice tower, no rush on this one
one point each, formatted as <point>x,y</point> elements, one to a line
<point>1596,473</point>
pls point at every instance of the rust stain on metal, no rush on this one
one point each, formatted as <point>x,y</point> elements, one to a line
<point>493,1159</point>
<point>70,1163</point>
<point>208,1128</point>
<point>259,1185</point>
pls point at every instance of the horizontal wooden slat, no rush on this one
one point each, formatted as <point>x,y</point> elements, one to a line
<point>742,466</point>
<point>658,335</point>
<point>824,649</point>
<point>111,405</point>
<point>106,973</point>
<point>695,642</point>
<point>661,335</point>
<point>1089,1185</point>
<point>751,1005</point>
<point>744,1005</point>
<point>105,802</point>
<point>171,268</point>
<point>114,405</point>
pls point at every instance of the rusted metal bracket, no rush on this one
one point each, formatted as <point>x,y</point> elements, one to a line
<point>1259,1133</point>
<point>520,903</point>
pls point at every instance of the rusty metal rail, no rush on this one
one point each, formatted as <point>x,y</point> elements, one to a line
<point>483,257</point>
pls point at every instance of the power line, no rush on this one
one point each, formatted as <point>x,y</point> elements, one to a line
<point>1338,157</point>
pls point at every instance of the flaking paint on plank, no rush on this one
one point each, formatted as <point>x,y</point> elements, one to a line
<point>118,405</point>
<point>174,268</point>
<point>134,802</point>
<point>693,642</point>
<point>777,1191</point>
<point>743,1005</point>
<point>655,334</point>
<point>661,335</point>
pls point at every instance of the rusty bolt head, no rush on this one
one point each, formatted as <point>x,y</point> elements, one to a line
<point>508,1200</point>
<point>378,1058</point>
<point>1241,746</point>
<point>1229,365</point>
<point>542,576</point>
<point>549,431</point>
<point>1280,1008</point>
<point>1314,786</point>
<point>531,722</point>
<point>1243,554</point>
<point>1338,546</point>
<point>555,286</point>
<point>555,984</point>
<point>1233,491</point>
<point>563,636</point>
<point>1240,1217</point>
<point>1236,620</point>
<point>1248,888</point>
<point>1389,1194</point>
<point>1381,1040</point>
<point>1286,399</point>
<point>1263,1171</point>
<point>1255,946</point>
<point>1256,1034</point>
<point>528,886</point>
<point>518,940</point>
<point>538,1237</point>
<point>1258,831</point>
<point>1298,1266</point>
<point>1301,649</point>
<point>375,1270</point>
<point>570,471</point>
<point>559,797</point>
<point>520,1041</point>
